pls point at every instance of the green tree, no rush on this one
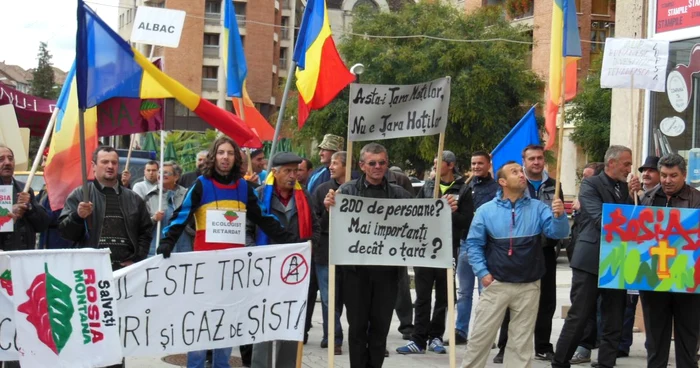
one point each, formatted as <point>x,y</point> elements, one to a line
<point>491,87</point>
<point>43,78</point>
<point>591,115</point>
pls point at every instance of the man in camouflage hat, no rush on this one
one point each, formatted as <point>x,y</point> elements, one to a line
<point>330,145</point>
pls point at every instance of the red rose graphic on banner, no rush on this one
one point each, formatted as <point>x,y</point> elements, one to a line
<point>50,310</point>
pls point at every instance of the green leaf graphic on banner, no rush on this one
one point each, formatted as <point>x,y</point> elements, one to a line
<point>50,310</point>
<point>6,281</point>
<point>149,109</point>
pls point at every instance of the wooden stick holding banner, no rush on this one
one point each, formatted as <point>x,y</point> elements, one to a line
<point>160,184</point>
<point>331,297</point>
<point>300,353</point>
<point>83,154</point>
<point>40,152</point>
<point>131,148</point>
<point>450,271</point>
<point>635,136</point>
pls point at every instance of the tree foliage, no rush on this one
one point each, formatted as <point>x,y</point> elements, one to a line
<point>43,78</point>
<point>591,115</point>
<point>491,87</point>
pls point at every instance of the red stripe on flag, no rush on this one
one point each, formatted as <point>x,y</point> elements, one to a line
<point>332,78</point>
<point>227,123</point>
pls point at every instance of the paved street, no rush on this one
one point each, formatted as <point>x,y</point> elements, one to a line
<point>315,357</point>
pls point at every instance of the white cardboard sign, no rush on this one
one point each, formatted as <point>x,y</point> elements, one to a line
<point>391,232</point>
<point>158,26</point>
<point>393,111</point>
<point>646,60</point>
<point>213,299</point>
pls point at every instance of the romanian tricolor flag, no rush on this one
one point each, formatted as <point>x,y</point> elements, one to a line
<point>303,210</point>
<point>320,74</point>
<point>236,71</point>
<point>564,50</point>
<point>64,156</point>
<point>108,67</point>
<point>232,52</point>
<point>253,117</point>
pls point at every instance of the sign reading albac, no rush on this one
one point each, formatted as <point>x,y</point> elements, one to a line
<point>157,26</point>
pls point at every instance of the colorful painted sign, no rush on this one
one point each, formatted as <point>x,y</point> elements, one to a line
<point>650,248</point>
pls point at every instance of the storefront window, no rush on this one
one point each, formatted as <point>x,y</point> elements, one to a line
<point>675,114</point>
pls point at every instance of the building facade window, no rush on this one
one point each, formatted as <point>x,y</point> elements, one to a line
<point>600,7</point>
<point>599,32</point>
<point>211,45</point>
<point>210,72</point>
<point>212,7</point>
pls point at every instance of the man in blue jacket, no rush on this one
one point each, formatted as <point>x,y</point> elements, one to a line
<point>507,258</point>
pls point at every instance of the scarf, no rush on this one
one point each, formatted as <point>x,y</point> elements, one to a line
<point>303,209</point>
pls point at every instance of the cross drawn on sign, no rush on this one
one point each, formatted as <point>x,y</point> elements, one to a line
<point>294,269</point>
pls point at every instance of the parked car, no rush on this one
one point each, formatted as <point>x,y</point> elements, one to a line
<point>37,183</point>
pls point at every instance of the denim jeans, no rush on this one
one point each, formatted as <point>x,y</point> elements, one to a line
<point>322,278</point>
<point>465,293</point>
<point>196,359</point>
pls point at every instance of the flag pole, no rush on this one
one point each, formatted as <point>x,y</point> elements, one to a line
<point>40,152</point>
<point>131,148</point>
<point>280,114</point>
<point>241,108</point>
<point>160,184</point>
<point>560,148</point>
<point>83,154</point>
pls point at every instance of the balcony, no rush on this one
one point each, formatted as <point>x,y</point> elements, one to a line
<point>284,33</point>
<point>520,9</point>
<point>283,63</point>
<point>210,84</point>
<point>286,4</point>
<point>240,19</point>
<point>211,51</point>
<point>212,18</point>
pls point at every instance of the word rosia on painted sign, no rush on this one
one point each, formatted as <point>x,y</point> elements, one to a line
<point>214,299</point>
<point>64,308</point>
<point>389,111</point>
<point>389,232</point>
<point>650,248</point>
<point>642,62</point>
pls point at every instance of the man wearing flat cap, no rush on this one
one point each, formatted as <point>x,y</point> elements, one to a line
<point>330,145</point>
<point>284,198</point>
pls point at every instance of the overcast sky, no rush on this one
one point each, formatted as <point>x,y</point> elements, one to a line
<point>25,23</point>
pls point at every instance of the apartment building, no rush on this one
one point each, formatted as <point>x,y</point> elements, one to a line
<point>267,31</point>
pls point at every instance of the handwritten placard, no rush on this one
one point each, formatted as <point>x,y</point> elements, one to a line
<point>7,224</point>
<point>646,60</point>
<point>390,232</point>
<point>214,299</point>
<point>390,111</point>
<point>649,248</point>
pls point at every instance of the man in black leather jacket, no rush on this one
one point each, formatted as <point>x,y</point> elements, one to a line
<point>114,218</point>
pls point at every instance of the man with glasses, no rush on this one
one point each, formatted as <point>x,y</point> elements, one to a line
<point>369,291</point>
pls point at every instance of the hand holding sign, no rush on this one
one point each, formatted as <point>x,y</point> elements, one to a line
<point>451,201</point>
<point>557,207</point>
<point>329,201</point>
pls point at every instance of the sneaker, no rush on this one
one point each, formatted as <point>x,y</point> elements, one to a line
<point>498,359</point>
<point>410,348</point>
<point>544,356</point>
<point>459,340</point>
<point>579,358</point>
<point>436,346</point>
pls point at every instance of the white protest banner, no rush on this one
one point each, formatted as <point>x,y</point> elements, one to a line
<point>65,308</point>
<point>389,111</point>
<point>390,232</point>
<point>7,224</point>
<point>158,26</point>
<point>213,299</point>
<point>645,59</point>
<point>8,332</point>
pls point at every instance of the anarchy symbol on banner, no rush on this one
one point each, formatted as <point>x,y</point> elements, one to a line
<point>294,269</point>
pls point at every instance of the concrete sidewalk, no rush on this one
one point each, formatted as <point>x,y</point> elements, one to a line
<point>315,357</point>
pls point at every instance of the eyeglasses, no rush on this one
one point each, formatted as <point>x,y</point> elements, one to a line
<point>165,173</point>
<point>375,163</point>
